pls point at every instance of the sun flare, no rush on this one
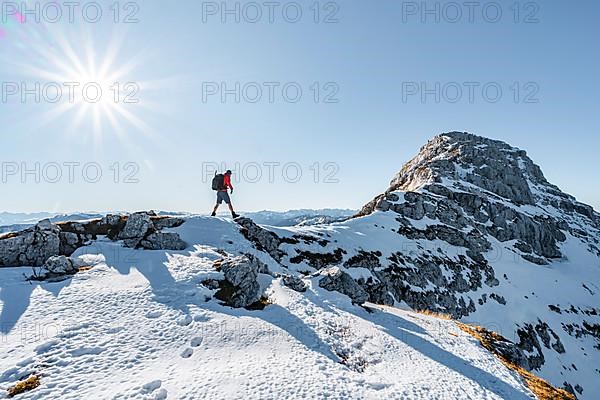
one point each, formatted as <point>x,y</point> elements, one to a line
<point>94,89</point>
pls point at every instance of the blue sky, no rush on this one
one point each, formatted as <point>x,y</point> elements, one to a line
<point>363,64</point>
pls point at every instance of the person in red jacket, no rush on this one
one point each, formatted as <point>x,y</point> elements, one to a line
<point>223,195</point>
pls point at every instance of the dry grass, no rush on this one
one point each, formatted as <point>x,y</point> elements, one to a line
<point>447,317</point>
<point>261,304</point>
<point>541,388</point>
<point>8,235</point>
<point>217,264</point>
<point>24,386</point>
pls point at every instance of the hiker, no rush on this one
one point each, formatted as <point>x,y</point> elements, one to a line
<point>221,183</point>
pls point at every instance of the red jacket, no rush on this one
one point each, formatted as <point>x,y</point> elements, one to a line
<point>227,183</point>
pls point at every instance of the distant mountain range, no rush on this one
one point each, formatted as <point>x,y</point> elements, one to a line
<point>300,217</point>
<point>13,222</point>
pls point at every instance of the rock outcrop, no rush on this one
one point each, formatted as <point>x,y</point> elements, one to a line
<point>240,288</point>
<point>162,241</point>
<point>295,283</point>
<point>466,181</point>
<point>336,280</point>
<point>54,267</point>
<point>263,239</point>
<point>33,246</point>
<point>137,227</point>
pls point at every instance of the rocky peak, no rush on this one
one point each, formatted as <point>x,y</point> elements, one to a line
<point>488,187</point>
<point>473,164</point>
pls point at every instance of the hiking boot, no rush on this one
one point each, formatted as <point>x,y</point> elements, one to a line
<point>234,215</point>
<point>214,214</point>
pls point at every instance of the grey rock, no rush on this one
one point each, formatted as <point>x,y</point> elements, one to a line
<point>263,239</point>
<point>69,242</point>
<point>112,219</point>
<point>500,299</point>
<point>336,280</point>
<point>319,260</point>
<point>506,349</point>
<point>491,165</point>
<point>241,287</point>
<point>132,243</point>
<point>379,293</point>
<point>46,226</point>
<point>167,222</point>
<point>163,241</point>
<point>137,227</point>
<point>31,247</point>
<point>486,175</point>
<point>59,265</point>
<point>295,283</point>
<point>529,343</point>
<point>363,259</point>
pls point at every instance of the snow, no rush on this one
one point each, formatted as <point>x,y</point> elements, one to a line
<point>140,326</point>
<point>528,289</point>
<point>360,273</point>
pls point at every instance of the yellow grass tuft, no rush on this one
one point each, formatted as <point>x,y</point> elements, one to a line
<point>24,386</point>
<point>217,264</point>
<point>447,317</point>
<point>541,388</point>
<point>261,304</point>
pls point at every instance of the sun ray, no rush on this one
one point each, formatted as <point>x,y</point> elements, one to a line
<point>57,57</point>
<point>110,56</point>
<point>134,120</point>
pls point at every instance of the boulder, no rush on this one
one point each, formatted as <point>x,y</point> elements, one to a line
<point>54,267</point>
<point>163,241</point>
<point>240,287</point>
<point>167,222</point>
<point>336,280</point>
<point>31,247</point>
<point>295,283</point>
<point>59,265</point>
<point>137,227</point>
<point>69,242</point>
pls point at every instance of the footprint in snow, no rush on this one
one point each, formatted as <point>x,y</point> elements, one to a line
<point>86,351</point>
<point>197,341</point>
<point>152,386</point>
<point>45,347</point>
<point>160,394</point>
<point>153,314</point>
<point>154,389</point>
<point>187,353</point>
<point>201,318</point>
<point>184,321</point>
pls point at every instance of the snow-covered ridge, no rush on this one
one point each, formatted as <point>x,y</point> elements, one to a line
<point>481,236</point>
<point>139,325</point>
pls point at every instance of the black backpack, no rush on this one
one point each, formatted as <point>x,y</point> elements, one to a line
<point>218,182</point>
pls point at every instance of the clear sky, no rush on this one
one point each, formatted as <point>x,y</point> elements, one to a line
<point>362,67</point>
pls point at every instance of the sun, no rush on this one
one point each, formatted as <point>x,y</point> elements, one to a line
<point>94,86</point>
